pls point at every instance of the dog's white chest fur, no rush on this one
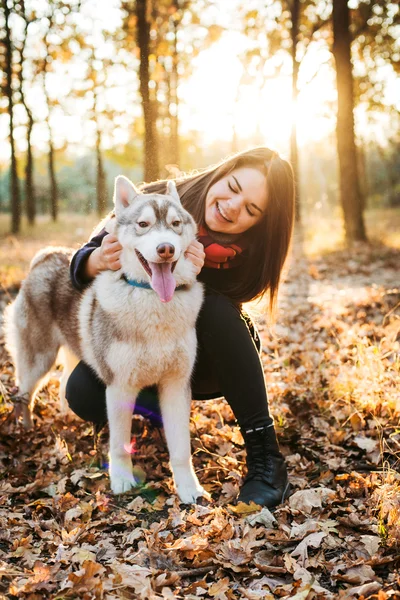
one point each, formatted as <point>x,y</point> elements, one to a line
<point>147,338</point>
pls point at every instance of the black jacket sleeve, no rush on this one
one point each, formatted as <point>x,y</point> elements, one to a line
<point>78,262</point>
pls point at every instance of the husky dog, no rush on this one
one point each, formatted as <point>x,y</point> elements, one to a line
<point>135,327</point>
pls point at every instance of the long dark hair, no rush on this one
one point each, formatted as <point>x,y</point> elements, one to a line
<point>269,238</point>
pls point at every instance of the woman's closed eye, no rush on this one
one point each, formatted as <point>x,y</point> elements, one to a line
<point>236,191</point>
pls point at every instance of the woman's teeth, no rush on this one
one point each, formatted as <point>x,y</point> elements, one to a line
<point>222,214</point>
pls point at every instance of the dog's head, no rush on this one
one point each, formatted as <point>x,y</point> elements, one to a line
<point>154,231</point>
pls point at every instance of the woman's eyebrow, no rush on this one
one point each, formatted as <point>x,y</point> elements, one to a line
<point>240,189</point>
<point>237,183</point>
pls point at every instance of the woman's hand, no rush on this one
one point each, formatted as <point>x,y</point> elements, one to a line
<point>105,257</point>
<point>195,253</point>
<point>110,252</point>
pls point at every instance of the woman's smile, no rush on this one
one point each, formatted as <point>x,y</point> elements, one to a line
<point>220,214</point>
<point>237,201</point>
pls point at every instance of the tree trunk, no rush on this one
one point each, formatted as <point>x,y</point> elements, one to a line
<point>101,192</point>
<point>363,174</point>
<point>174,117</point>
<point>29,186</point>
<point>150,146</point>
<point>295,17</point>
<point>30,201</point>
<point>294,157</point>
<point>53,181</point>
<point>51,160</point>
<point>15,199</point>
<point>350,191</point>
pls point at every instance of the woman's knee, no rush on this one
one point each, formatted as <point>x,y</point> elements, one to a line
<point>85,394</point>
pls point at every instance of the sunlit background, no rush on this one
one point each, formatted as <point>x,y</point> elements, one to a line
<point>234,91</point>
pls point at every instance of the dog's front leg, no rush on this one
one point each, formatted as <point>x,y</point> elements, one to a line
<point>175,399</point>
<point>120,405</point>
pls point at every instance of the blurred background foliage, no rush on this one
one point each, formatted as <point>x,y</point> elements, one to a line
<point>150,89</point>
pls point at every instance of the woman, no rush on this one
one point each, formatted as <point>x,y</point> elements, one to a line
<point>244,208</point>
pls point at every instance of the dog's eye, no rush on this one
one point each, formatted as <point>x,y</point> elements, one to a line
<point>176,223</point>
<point>143,224</point>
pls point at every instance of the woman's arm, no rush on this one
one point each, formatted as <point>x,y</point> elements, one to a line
<point>100,253</point>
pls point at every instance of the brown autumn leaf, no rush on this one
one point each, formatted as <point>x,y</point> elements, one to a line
<point>313,540</point>
<point>23,549</point>
<point>366,590</point>
<point>86,579</point>
<point>232,555</point>
<point>306,500</point>
<point>264,517</point>
<point>41,580</point>
<point>135,577</point>
<point>218,589</point>
<point>193,543</point>
<point>360,574</point>
<point>242,508</point>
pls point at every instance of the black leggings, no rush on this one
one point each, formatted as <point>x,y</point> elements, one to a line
<point>227,364</point>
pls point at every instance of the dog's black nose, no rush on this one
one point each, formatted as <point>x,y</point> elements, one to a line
<point>165,250</point>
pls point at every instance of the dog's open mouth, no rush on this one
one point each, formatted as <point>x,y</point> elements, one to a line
<point>162,280</point>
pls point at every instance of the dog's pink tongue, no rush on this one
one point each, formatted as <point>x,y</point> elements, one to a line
<point>162,280</point>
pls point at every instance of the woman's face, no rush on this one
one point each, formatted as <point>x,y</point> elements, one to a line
<point>237,201</point>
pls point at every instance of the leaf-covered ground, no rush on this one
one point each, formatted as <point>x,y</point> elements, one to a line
<point>332,369</point>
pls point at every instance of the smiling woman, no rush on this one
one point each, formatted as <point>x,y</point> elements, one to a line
<point>237,201</point>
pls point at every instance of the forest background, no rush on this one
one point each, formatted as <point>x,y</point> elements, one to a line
<point>91,89</point>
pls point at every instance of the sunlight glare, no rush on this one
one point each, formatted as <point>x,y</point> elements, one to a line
<point>219,99</point>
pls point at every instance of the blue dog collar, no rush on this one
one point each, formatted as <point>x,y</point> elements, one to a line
<point>146,286</point>
<point>136,283</point>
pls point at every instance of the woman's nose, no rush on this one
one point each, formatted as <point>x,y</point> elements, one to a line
<point>234,204</point>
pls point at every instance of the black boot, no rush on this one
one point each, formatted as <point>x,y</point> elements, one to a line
<point>266,482</point>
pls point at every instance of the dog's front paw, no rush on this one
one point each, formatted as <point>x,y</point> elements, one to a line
<point>189,493</point>
<point>121,476</point>
<point>121,484</point>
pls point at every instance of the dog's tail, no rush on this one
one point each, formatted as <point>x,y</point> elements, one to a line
<point>51,252</point>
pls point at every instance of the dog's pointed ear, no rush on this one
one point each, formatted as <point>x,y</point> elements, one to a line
<point>172,191</point>
<point>124,192</point>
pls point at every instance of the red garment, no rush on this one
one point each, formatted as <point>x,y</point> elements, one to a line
<point>219,256</point>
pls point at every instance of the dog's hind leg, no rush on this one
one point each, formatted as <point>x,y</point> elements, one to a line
<point>120,405</point>
<point>69,362</point>
<point>33,352</point>
<point>31,374</point>
<point>175,399</point>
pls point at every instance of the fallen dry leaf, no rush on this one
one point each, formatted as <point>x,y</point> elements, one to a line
<point>311,541</point>
<point>306,500</point>
<point>264,517</point>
